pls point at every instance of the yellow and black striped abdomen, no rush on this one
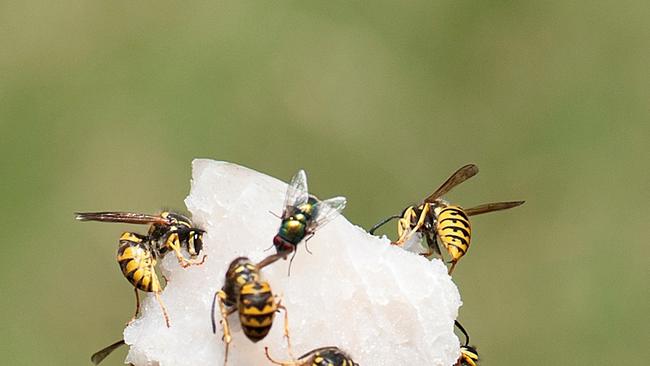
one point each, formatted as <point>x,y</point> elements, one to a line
<point>453,230</point>
<point>257,308</point>
<point>137,262</point>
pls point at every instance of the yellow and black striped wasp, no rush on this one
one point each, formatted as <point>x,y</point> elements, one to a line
<point>324,356</point>
<point>440,222</point>
<point>303,214</point>
<point>245,293</point>
<point>138,254</point>
<point>468,354</point>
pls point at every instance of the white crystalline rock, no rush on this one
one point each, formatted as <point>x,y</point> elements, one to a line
<point>380,303</point>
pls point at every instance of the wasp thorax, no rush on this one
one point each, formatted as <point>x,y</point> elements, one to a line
<point>240,272</point>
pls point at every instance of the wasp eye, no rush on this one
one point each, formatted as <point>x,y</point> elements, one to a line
<point>196,243</point>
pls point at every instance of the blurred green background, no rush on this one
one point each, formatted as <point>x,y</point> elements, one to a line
<point>103,105</point>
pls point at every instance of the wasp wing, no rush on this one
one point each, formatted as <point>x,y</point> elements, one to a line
<point>125,217</point>
<point>489,207</point>
<point>326,211</point>
<point>100,355</point>
<point>297,193</point>
<point>457,178</point>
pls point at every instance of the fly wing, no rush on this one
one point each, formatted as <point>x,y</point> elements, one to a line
<point>125,217</point>
<point>326,211</point>
<point>100,355</point>
<point>297,193</point>
<point>457,178</point>
<point>489,207</point>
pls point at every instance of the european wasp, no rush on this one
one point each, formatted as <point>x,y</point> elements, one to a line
<point>303,214</point>
<point>468,354</point>
<point>324,356</point>
<point>245,293</point>
<point>138,254</point>
<point>440,222</point>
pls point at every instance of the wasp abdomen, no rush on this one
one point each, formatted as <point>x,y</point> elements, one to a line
<point>454,230</point>
<point>257,308</point>
<point>137,262</point>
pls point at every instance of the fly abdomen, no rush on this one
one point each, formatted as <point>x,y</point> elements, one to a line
<point>137,262</point>
<point>257,308</point>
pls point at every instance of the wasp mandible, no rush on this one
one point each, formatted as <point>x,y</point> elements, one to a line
<point>440,222</point>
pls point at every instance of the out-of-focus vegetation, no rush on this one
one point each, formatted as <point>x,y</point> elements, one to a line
<point>104,105</point>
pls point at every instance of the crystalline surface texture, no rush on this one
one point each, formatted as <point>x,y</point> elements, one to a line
<point>380,303</point>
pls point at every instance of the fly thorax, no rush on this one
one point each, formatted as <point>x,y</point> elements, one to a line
<point>293,229</point>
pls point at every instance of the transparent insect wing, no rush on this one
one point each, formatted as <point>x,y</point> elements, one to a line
<point>327,211</point>
<point>297,193</point>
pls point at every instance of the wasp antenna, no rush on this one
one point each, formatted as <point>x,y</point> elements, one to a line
<point>382,223</point>
<point>214,303</point>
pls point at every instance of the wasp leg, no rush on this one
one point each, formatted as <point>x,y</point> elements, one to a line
<point>404,225</point>
<point>453,265</point>
<point>220,297</point>
<point>137,306</point>
<point>432,245</point>
<point>268,356</point>
<point>174,243</point>
<point>155,284</point>
<point>418,225</point>
<point>286,328</point>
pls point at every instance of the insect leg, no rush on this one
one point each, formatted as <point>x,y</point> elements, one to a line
<point>220,297</point>
<point>174,243</point>
<point>432,244</point>
<point>268,356</point>
<point>311,235</point>
<point>137,305</point>
<point>155,284</point>
<point>453,264</point>
<point>295,250</point>
<point>286,328</point>
<point>411,213</point>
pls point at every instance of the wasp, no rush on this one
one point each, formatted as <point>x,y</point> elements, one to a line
<point>245,293</point>
<point>468,354</point>
<point>138,254</point>
<point>303,214</point>
<point>440,222</point>
<point>324,356</point>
